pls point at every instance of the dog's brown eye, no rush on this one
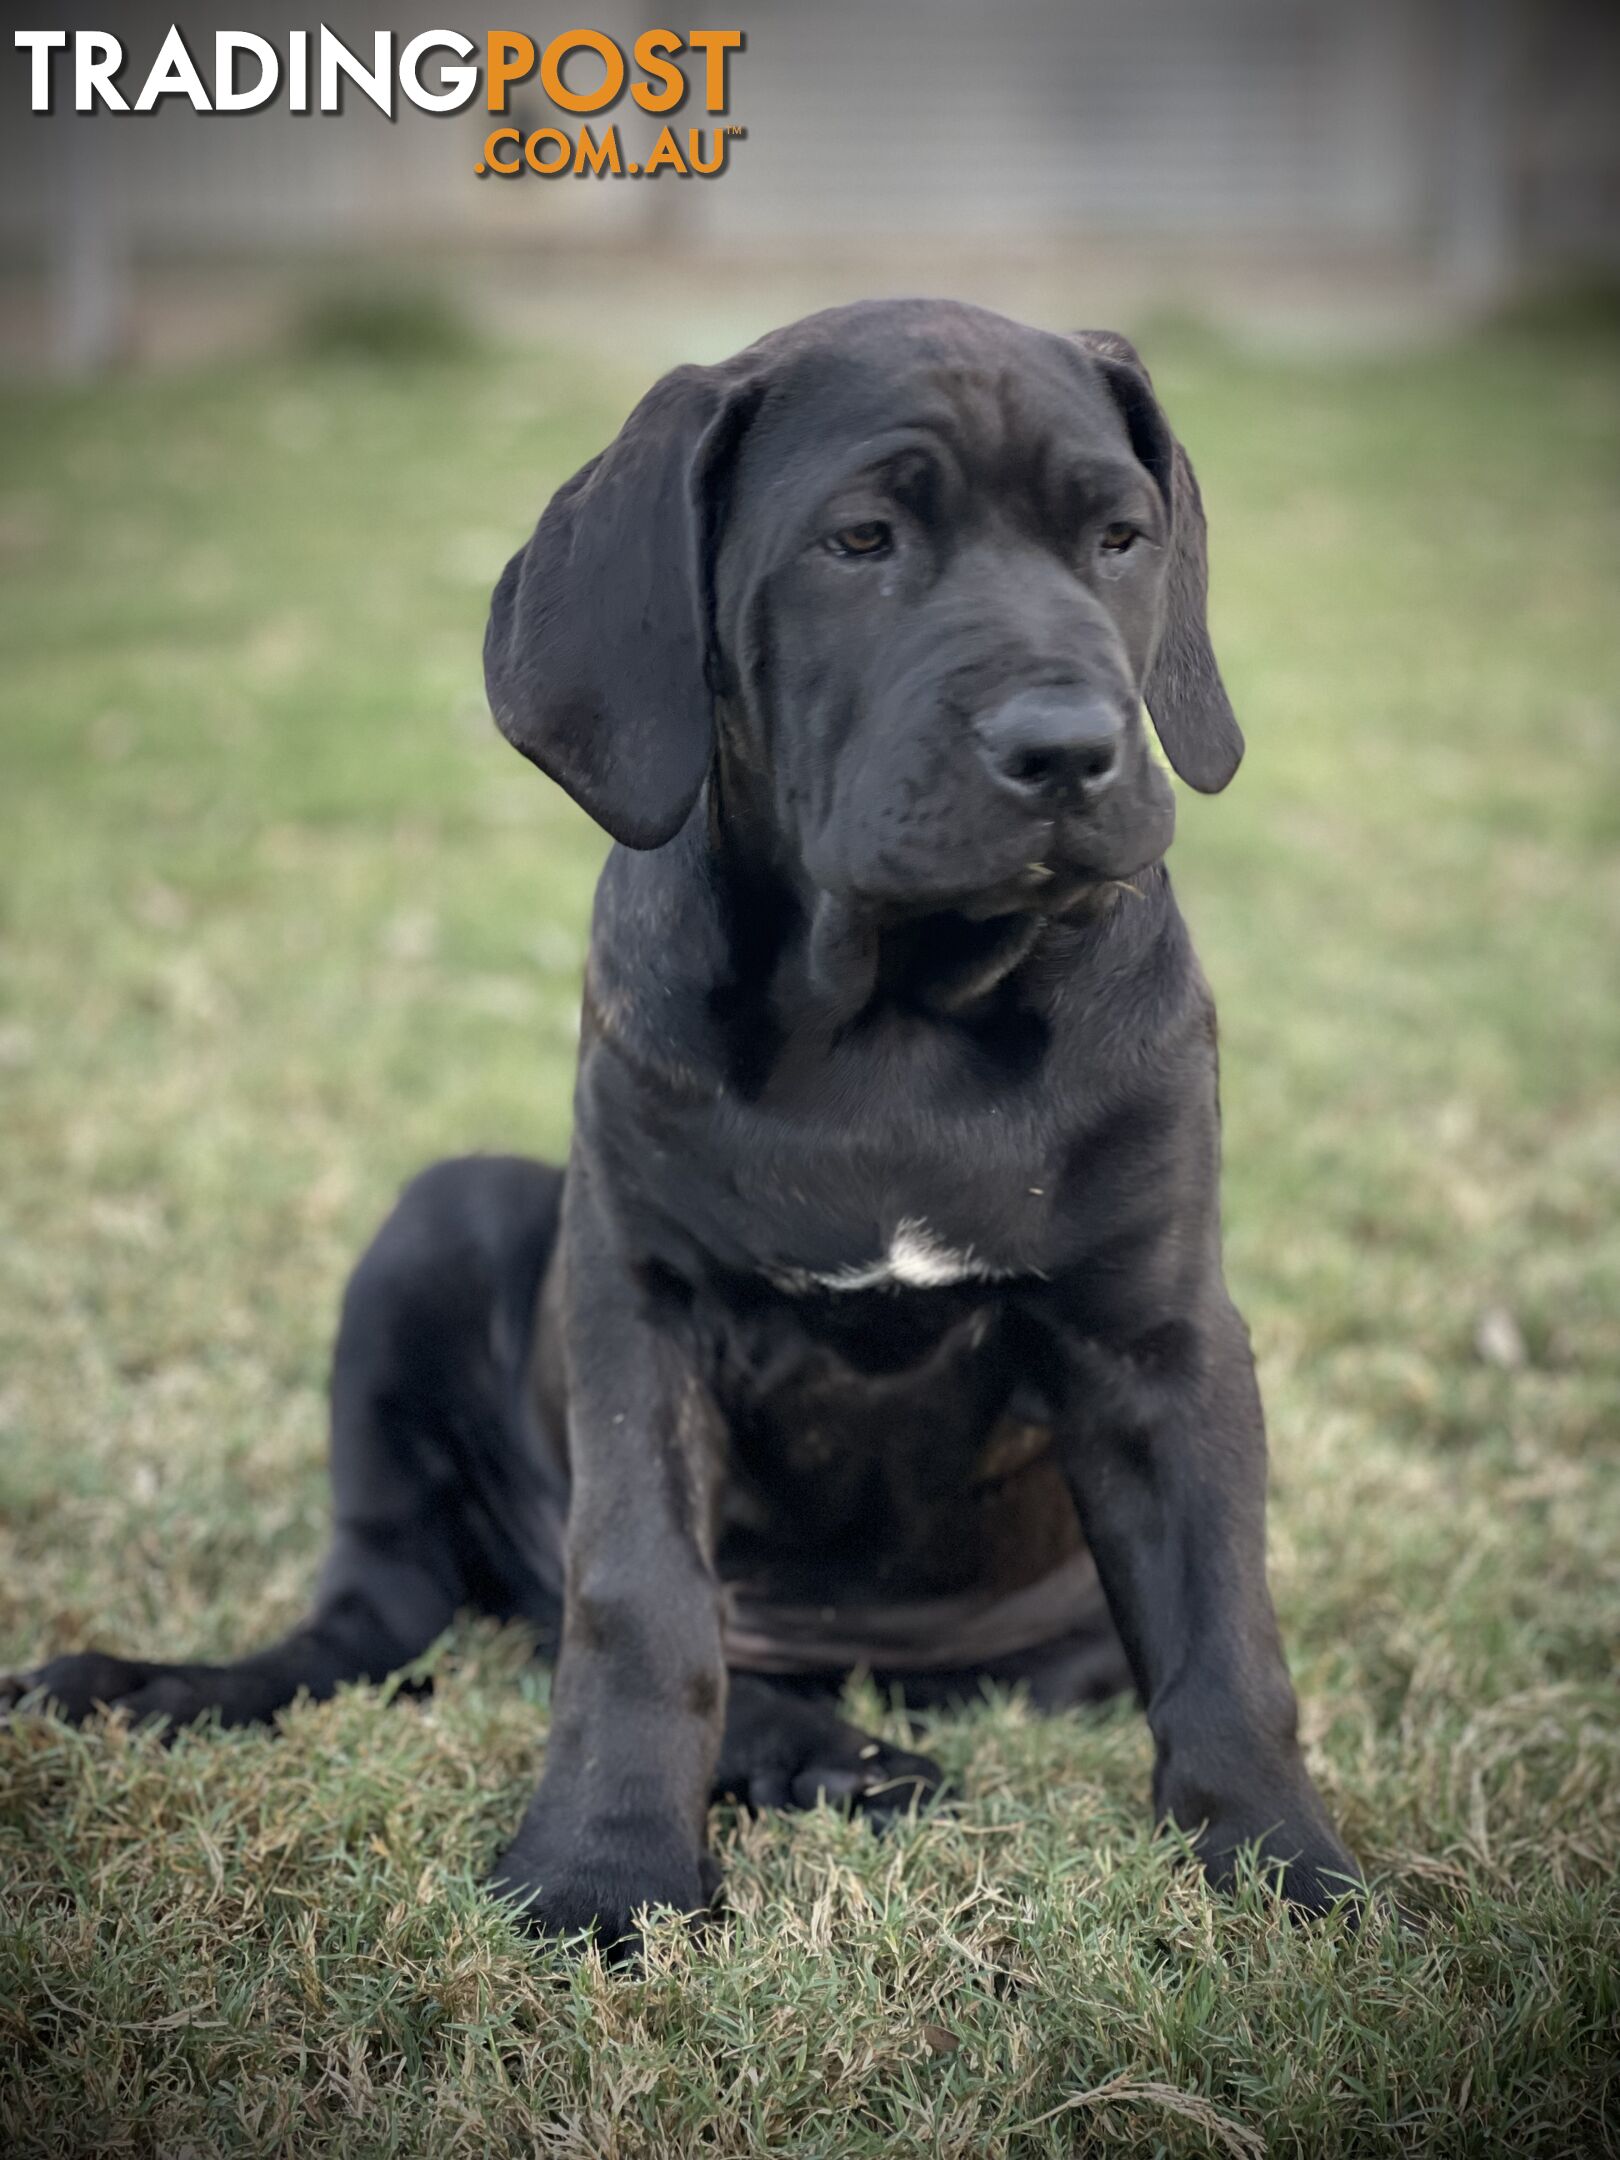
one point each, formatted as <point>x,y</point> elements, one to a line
<point>1118,539</point>
<point>871,538</point>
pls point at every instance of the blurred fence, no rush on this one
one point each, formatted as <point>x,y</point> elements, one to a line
<point>1475,141</point>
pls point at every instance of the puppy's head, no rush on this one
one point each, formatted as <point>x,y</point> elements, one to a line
<point>916,568</point>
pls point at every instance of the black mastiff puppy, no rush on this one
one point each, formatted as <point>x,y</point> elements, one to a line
<point>878,1318</point>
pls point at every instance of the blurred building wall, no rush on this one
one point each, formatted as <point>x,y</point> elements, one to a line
<point>1478,137</point>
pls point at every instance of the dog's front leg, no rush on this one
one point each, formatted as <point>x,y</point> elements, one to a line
<point>638,1699</point>
<point>1164,1447</point>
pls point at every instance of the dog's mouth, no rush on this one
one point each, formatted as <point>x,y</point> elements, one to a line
<point>1043,872</point>
<point>950,955</point>
<point>1040,888</point>
<point>943,926</point>
<point>1071,874</point>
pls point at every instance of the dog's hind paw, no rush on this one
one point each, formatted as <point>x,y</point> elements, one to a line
<point>781,1751</point>
<point>77,1686</point>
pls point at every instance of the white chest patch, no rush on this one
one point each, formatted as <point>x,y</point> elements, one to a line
<point>916,1260</point>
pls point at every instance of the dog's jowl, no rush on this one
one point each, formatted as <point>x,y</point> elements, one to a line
<point>877,1319</point>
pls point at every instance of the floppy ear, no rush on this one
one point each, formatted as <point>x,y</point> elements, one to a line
<point>599,657</point>
<point>1183,692</point>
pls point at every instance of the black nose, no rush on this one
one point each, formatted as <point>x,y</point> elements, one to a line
<point>1057,745</point>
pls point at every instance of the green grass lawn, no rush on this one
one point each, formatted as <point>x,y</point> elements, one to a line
<point>283,919</point>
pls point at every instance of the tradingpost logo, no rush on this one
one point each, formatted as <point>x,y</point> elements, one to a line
<point>581,72</point>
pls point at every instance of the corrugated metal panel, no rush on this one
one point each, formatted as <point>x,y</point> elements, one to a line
<point>1153,116</point>
<point>1320,120</point>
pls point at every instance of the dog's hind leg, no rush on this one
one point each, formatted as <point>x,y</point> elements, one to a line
<point>786,1749</point>
<point>441,1499</point>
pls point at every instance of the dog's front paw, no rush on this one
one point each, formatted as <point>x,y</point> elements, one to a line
<point>1302,1859</point>
<point>561,1887</point>
<point>91,1680</point>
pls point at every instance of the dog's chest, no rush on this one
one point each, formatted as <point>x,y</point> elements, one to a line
<point>914,1257</point>
<point>887,1165</point>
<point>874,1450</point>
<point>889,1199</point>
